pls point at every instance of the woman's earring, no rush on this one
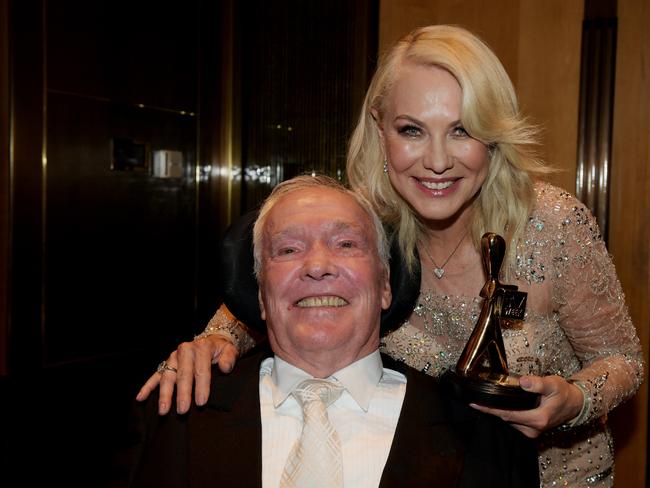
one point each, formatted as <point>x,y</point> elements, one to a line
<point>385,166</point>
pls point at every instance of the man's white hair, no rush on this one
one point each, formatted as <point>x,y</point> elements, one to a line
<point>305,182</point>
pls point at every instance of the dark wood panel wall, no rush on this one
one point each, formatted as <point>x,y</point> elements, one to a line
<point>102,270</point>
<point>106,264</point>
<point>300,104</point>
<point>120,242</point>
<point>102,250</point>
<point>629,224</point>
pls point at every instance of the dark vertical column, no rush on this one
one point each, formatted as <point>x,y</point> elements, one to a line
<point>4,184</point>
<point>365,32</point>
<point>211,100</point>
<point>26,173</point>
<point>597,79</point>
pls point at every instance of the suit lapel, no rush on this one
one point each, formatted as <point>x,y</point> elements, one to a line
<point>229,429</point>
<point>425,451</point>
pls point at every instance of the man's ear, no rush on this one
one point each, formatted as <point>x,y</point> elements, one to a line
<point>261,302</point>
<point>386,293</point>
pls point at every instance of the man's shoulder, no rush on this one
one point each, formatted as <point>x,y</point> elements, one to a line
<point>414,378</point>
<point>247,363</point>
<point>226,388</point>
<point>433,418</point>
<point>426,394</point>
<point>434,395</point>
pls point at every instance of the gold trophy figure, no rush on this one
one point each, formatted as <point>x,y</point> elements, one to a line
<point>490,384</point>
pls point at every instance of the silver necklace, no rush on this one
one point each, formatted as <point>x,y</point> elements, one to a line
<point>439,271</point>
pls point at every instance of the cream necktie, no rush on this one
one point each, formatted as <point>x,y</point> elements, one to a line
<point>315,460</point>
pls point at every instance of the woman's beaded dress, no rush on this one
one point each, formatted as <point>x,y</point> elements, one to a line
<point>576,326</point>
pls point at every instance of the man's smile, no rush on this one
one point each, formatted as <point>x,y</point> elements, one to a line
<point>324,301</point>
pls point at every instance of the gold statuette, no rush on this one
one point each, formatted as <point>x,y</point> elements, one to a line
<point>481,374</point>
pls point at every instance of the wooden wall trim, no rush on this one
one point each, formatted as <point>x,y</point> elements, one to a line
<point>630,221</point>
<point>228,156</point>
<point>596,112</point>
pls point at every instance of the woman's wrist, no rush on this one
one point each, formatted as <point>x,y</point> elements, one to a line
<point>225,325</point>
<point>223,333</point>
<point>585,408</point>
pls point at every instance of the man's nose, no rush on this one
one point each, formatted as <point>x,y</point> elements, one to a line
<point>319,263</point>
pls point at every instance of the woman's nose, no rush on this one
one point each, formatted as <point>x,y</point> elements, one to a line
<point>437,158</point>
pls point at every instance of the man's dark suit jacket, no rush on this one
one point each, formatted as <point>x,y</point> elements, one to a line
<point>438,441</point>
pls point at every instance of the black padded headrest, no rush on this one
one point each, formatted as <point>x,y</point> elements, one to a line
<point>240,286</point>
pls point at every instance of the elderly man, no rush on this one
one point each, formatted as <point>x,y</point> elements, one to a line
<point>322,407</point>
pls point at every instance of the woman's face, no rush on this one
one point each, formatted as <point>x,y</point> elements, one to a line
<point>432,162</point>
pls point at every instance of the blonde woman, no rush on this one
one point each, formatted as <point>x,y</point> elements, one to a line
<point>444,155</point>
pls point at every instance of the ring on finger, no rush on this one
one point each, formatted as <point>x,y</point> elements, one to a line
<point>163,366</point>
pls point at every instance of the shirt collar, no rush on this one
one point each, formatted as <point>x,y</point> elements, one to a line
<point>359,378</point>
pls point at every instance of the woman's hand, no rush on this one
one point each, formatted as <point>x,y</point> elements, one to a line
<point>193,361</point>
<point>561,401</point>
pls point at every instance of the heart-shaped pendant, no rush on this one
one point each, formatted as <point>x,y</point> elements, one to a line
<point>439,272</point>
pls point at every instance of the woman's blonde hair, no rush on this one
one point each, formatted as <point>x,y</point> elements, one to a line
<point>490,114</point>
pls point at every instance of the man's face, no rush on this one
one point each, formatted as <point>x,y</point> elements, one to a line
<point>322,284</point>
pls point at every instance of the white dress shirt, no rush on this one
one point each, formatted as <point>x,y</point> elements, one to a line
<point>365,417</point>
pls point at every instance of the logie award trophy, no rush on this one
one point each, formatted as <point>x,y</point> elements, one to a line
<point>481,374</point>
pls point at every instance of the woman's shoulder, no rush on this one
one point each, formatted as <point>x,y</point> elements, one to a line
<point>560,208</point>
<point>559,217</point>
<point>553,199</point>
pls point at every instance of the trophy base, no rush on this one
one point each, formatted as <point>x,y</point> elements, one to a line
<point>492,390</point>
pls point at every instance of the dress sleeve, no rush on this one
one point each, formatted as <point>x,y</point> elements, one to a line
<point>593,314</point>
<point>226,325</point>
